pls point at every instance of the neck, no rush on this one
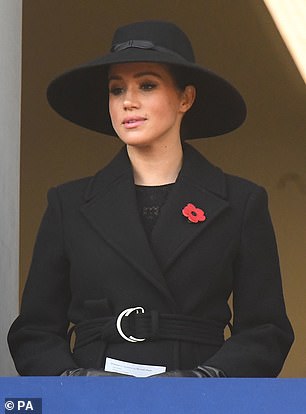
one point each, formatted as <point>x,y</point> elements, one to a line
<point>156,166</point>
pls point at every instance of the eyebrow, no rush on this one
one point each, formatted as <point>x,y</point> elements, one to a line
<point>137,75</point>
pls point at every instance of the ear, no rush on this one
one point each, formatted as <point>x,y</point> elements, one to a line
<point>188,97</point>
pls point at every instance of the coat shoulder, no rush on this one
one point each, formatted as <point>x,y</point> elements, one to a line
<point>242,185</point>
<point>73,189</point>
<point>87,187</point>
<point>69,195</point>
<point>215,179</point>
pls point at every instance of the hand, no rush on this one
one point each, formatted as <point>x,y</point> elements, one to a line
<point>179,374</point>
<point>202,371</point>
<point>90,372</point>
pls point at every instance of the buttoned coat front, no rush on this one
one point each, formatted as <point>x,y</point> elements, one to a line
<point>92,259</point>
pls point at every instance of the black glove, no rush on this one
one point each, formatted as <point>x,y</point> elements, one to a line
<point>202,371</point>
<point>90,372</point>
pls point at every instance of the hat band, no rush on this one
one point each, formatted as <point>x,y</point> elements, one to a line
<point>143,44</point>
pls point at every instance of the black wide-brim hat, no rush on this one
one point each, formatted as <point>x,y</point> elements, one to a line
<point>81,94</point>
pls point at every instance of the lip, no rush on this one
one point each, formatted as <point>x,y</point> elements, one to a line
<point>131,122</point>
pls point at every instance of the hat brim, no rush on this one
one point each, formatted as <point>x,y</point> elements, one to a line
<point>81,95</point>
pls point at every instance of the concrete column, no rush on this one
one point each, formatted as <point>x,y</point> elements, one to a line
<point>10,100</point>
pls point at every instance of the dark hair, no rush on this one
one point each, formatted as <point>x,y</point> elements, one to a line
<point>179,76</point>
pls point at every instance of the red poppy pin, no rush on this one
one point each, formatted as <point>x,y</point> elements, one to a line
<point>193,213</point>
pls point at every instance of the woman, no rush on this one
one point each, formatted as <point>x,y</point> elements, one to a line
<point>142,258</point>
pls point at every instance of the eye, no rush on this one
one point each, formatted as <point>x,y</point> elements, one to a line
<point>115,90</point>
<point>148,86</point>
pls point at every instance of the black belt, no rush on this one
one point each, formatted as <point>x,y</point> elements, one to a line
<point>136,325</point>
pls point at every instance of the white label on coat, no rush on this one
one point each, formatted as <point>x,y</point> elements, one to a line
<point>128,368</point>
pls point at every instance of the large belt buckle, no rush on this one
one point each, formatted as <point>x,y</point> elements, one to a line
<point>127,312</point>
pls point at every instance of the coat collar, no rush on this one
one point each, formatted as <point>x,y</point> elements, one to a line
<point>195,168</point>
<point>111,209</point>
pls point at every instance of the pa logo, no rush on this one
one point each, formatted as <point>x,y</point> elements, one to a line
<point>23,405</point>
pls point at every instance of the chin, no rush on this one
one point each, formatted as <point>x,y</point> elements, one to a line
<point>136,140</point>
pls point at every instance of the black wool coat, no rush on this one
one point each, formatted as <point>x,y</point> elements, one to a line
<point>92,260</point>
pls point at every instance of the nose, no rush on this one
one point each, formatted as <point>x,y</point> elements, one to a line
<point>130,100</point>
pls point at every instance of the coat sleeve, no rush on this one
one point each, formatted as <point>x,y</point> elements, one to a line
<point>38,337</point>
<point>262,334</point>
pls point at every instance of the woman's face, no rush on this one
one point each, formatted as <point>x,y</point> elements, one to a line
<point>145,106</point>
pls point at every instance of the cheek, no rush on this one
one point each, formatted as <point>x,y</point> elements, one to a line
<point>164,105</point>
<point>170,106</point>
<point>113,112</point>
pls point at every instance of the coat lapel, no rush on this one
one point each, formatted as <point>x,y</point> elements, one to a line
<point>199,183</point>
<point>111,209</point>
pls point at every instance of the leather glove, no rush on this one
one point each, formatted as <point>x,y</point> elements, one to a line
<point>90,372</point>
<point>202,371</point>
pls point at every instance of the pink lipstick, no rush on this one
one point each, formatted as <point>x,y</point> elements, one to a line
<point>133,121</point>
